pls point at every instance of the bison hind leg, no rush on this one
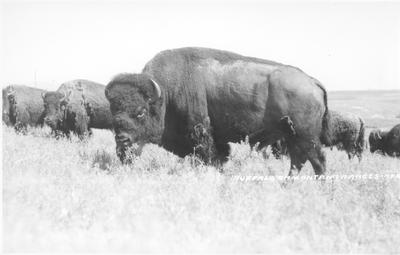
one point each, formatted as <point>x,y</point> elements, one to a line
<point>317,159</point>
<point>297,158</point>
<point>302,150</point>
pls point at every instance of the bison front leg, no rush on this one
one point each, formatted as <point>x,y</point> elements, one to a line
<point>81,129</point>
<point>203,142</point>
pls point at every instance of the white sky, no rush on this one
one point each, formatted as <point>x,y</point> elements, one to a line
<point>348,46</point>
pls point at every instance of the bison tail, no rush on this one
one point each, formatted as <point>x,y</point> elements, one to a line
<point>325,137</point>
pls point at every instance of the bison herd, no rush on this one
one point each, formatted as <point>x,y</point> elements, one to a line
<point>196,100</point>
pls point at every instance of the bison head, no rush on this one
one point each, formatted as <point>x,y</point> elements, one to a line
<point>12,104</point>
<point>6,107</point>
<point>55,104</point>
<point>136,108</point>
<point>375,139</point>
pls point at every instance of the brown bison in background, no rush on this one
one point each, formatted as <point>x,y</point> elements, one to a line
<point>347,133</point>
<point>22,107</point>
<point>197,100</point>
<point>77,106</point>
<point>387,142</point>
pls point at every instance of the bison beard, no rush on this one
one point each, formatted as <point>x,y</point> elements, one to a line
<point>211,97</point>
<point>204,143</point>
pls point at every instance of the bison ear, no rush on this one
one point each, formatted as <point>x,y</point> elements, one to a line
<point>157,90</point>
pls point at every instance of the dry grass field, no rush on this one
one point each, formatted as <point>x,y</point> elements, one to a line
<point>72,196</point>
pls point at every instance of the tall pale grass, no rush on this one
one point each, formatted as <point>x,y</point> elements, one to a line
<point>75,196</point>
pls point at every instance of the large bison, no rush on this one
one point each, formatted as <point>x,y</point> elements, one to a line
<point>387,142</point>
<point>22,106</point>
<point>197,100</point>
<point>347,133</point>
<point>77,106</point>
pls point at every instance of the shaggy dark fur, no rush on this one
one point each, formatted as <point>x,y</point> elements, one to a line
<point>77,106</point>
<point>387,142</point>
<point>212,97</point>
<point>22,106</point>
<point>347,133</point>
<point>279,148</point>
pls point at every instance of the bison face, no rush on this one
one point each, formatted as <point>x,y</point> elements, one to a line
<point>6,108</point>
<point>12,105</point>
<point>136,108</point>
<point>55,104</point>
<point>12,108</point>
<point>9,106</point>
<point>375,140</point>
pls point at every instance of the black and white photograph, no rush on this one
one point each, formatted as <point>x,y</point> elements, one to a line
<point>134,126</point>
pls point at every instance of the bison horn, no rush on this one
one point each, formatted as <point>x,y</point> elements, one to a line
<point>43,94</point>
<point>157,88</point>
<point>377,135</point>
